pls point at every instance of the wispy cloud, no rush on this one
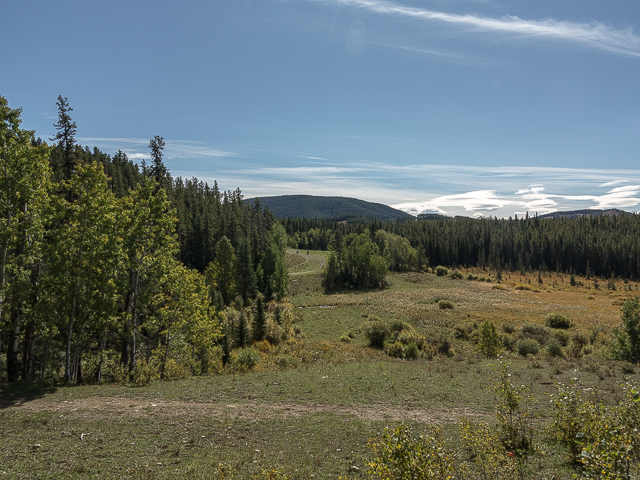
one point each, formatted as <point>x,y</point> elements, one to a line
<point>593,35</point>
<point>455,57</point>
<point>138,148</point>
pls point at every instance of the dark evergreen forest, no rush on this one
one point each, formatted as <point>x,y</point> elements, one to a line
<point>590,245</point>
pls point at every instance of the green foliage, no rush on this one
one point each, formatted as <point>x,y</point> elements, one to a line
<point>486,449</point>
<point>397,251</point>
<point>445,305</point>
<point>603,439</point>
<point>401,455</point>
<point>513,412</point>
<point>536,332</point>
<point>626,341</point>
<point>355,261</point>
<point>489,342</point>
<point>246,359</point>
<point>377,331</point>
<point>456,275</point>
<point>221,273</point>
<point>557,320</point>
<point>441,271</point>
<point>528,346</point>
<point>554,348</point>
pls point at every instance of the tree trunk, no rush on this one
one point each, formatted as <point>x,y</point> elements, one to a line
<point>43,367</point>
<point>72,314</point>
<point>103,344</point>
<point>166,352</point>
<point>13,366</point>
<point>27,352</point>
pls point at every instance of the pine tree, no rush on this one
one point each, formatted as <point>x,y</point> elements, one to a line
<point>66,136</point>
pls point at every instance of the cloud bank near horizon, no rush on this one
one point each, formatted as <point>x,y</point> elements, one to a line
<point>469,190</point>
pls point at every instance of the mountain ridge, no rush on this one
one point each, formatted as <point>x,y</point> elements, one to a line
<point>325,207</point>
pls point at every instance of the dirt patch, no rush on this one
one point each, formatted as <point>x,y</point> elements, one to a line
<point>118,407</point>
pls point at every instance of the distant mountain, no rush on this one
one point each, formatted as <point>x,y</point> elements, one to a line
<point>334,208</point>
<point>612,212</point>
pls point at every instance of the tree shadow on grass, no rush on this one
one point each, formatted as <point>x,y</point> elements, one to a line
<point>15,394</point>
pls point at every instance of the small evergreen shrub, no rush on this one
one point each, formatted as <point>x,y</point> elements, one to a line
<point>536,332</point>
<point>489,344</point>
<point>554,348</point>
<point>509,342</point>
<point>395,349</point>
<point>441,271</point>
<point>557,320</point>
<point>456,275</point>
<point>508,328</point>
<point>528,346</point>
<point>445,305</point>
<point>376,331</point>
<point>562,337</point>
<point>411,351</point>
<point>578,342</point>
<point>246,359</point>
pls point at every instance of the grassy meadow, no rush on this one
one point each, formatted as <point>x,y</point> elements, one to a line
<point>310,407</point>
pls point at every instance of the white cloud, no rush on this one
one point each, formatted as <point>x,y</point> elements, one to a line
<point>612,183</point>
<point>594,35</point>
<point>138,148</point>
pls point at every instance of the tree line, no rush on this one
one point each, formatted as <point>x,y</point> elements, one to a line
<point>595,245</point>
<point>110,265</point>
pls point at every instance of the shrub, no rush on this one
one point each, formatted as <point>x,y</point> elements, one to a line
<point>535,331</point>
<point>411,351</point>
<point>285,361</point>
<point>626,341</point>
<point>508,328</point>
<point>471,276</point>
<point>143,373</point>
<point>173,370</point>
<point>513,412</point>
<point>509,342</point>
<point>409,335</point>
<point>456,275</point>
<point>445,304</point>
<point>462,332</point>
<point>395,349</point>
<point>557,320</point>
<point>578,342</point>
<point>246,359</point>
<point>489,344</point>
<point>376,332</point>
<point>528,346</point>
<point>441,271</point>
<point>444,345</point>
<point>562,337</point>
<point>554,349</point>
<point>401,455</point>
<point>345,339</point>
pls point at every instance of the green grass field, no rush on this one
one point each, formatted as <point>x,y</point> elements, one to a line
<point>314,416</point>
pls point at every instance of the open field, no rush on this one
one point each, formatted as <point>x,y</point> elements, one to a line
<point>314,416</point>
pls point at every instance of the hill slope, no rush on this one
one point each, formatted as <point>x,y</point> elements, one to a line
<point>336,208</point>
<point>582,213</point>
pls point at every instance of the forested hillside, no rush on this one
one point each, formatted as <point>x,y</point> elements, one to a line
<point>116,266</point>
<point>333,208</point>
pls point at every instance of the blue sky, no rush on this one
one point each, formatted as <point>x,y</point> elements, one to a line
<point>457,106</point>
